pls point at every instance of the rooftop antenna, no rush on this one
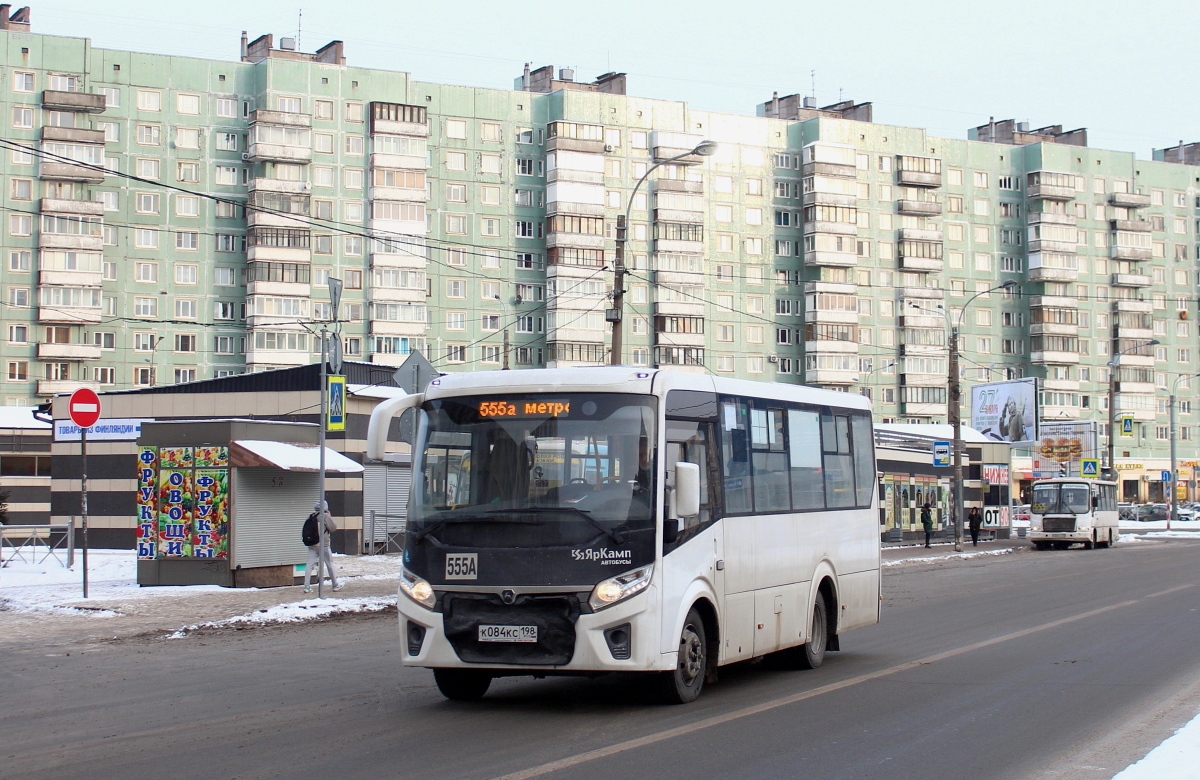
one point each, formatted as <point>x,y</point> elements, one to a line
<point>840,91</point>
<point>299,25</point>
<point>813,75</point>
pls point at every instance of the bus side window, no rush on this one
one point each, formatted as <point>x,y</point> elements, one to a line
<point>804,459</point>
<point>735,456</point>
<point>839,469</point>
<point>863,441</point>
<point>687,441</point>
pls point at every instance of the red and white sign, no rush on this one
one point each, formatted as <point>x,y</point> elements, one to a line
<point>84,407</point>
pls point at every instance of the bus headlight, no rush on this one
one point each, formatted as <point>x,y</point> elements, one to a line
<point>618,588</point>
<point>417,589</point>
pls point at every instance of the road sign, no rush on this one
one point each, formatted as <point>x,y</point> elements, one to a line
<point>336,405</point>
<point>1166,476</point>
<point>1126,427</point>
<point>415,373</point>
<point>1090,467</point>
<point>84,407</point>
<point>941,454</point>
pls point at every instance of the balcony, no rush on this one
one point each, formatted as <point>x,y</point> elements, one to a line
<point>918,179</point>
<point>1054,358</point>
<point>677,185</point>
<point>1130,253</point>
<point>917,409</point>
<point>287,118</point>
<point>287,289</point>
<point>680,339</point>
<point>71,315</point>
<point>575,207</point>
<point>55,100</point>
<point>399,119</point>
<point>581,145</point>
<point>397,328</point>
<point>1048,273</point>
<point>1134,406</point>
<point>62,171</point>
<point>584,241</point>
<point>674,215</point>
<point>410,194</point>
<point>1050,192</point>
<point>665,145</point>
<point>262,152</point>
<point>831,199</point>
<point>73,135</point>
<point>570,174</point>
<point>1134,361</point>
<point>396,295</point>
<point>1142,307</point>
<point>913,234</point>
<point>1140,388</point>
<point>256,218</point>
<point>829,376</point>
<point>1132,280</point>
<point>87,208</point>
<point>836,228</point>
<point>1129,200</point>
<point>1053,329</point>
<point>262,184</point>
<point>278,254</point>
<point>1130,225</point>
<point>1057,302</point>
<point>406,162</point>
<point>922,264</point>
<point>69,242</point>
<point>1047,245</point>
<point>683,308</point>
<point>70,278</point>
<point>1047,218</point>
<point>832,316</point>
<point>918,208</point>
<point>829,169</point>
<point>63,386</point>
<point>68,352</point>
<point>818,258</point>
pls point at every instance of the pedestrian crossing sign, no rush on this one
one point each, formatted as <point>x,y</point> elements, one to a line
<point>1090,467</point>
<point>1127,427</point>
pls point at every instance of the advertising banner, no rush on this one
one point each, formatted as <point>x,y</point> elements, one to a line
<point>1064,446</point>
<point>1006,411</point>
<point>183,502</point>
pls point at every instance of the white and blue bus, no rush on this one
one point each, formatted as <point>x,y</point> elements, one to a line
<point>586,520</point>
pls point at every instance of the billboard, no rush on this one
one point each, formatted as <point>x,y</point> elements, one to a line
<point>1006,411</point>
<point>1064,447</point>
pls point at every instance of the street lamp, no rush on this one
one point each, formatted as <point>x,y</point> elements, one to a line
<point>616,313</point>
<point>1111,472</point>
<point>955,408</point>
<point>335,301</point>
<point>1174,455</point>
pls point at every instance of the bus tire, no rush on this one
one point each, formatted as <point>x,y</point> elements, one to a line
<point>1091,544</point>
<point>683,685</point>
<point>462,684</point>
<point>1041,545</point>
<point>812,653</point>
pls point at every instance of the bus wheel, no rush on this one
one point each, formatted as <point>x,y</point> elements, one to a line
<point>1091,544</point>
<point>813,652</point>
<point>462,684</point>
<point>1041,545</point>
<point>684,684</point>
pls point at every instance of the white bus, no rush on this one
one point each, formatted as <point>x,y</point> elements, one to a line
<point>1068,510</point>
<point>587,520</point>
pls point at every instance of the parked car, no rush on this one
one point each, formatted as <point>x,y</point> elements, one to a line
<point>1149,513</point>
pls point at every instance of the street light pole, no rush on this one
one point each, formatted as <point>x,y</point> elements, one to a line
<point>1174,453</point>
<point>616,314</point>
<point>1112,406</point>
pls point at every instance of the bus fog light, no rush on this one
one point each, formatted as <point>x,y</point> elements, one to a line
<point>621,587</point>
<point>417,589</point>
<point>618,640</point>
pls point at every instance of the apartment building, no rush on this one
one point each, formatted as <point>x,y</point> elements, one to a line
<point>169,219</point>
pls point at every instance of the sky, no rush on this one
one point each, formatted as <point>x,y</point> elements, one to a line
<point>1120,69</point>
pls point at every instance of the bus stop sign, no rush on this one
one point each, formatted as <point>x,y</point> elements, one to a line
<point>941,454</point>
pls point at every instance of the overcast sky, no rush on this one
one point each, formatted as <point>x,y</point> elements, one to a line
<point>1121,69</point>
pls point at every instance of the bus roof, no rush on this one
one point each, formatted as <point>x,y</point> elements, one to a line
<point>631,379</point>
<point>1072,480</point>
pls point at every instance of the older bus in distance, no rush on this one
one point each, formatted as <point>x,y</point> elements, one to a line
<point>617,519</point>
<point>1071,510</point>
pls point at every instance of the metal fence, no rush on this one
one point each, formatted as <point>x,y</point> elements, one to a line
<point>35,543</point>
<point>384,533</point>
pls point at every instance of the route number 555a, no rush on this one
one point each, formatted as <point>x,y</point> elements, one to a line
<point>462,566</point>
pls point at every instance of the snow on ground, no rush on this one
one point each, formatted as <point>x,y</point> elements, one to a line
<point>1177,758</point>
<point>1160,525</point>
<point>1127,538</point>
<point>294,612</point>
<point>952,556</point>
<point>49,587</point>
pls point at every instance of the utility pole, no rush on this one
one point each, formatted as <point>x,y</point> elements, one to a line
<point>955,388</point>
<point>617,312</point>
<point>321,461</point>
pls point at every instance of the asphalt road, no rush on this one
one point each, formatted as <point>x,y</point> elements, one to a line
<point>1029,665</point>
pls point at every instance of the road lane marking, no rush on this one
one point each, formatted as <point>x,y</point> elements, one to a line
<point>757,709</point>
<point>1172,590</point>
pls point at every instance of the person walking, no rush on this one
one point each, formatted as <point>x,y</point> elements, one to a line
<point>974,521</point>
<point>320,551</point>
<point>927,522</point>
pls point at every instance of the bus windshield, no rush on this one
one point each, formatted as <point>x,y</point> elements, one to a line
<point>1062,498</point>
<point>525,470</point>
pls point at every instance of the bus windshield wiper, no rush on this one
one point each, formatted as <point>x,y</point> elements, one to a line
<point>454,520</point>
<point>617,535</point>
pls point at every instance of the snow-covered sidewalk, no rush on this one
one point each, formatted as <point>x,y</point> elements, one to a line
<point>45,600</point>
<point>1177,758</point>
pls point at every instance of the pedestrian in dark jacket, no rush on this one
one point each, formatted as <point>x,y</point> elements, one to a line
<point>974,521</point>
<point>927,522</point>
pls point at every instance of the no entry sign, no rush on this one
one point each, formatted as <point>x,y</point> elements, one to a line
<point>84,407</point>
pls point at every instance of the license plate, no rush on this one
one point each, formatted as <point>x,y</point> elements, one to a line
<point>508,633</point>
<point>462,566</point>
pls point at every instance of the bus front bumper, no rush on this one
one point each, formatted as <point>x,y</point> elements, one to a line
<point>594,647</point>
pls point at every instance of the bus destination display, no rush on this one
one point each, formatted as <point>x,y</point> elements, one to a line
<point>524,408</point>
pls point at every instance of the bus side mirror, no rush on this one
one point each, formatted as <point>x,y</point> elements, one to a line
<point>687,489</point>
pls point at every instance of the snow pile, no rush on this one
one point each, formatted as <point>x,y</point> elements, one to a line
<point>1160,525</point>
<point>50,588</point>
<point>951,556</point>
<point>1127,538</point>
<point>1175,759</point>
<point>1172,534</point>
<point>293,612</point>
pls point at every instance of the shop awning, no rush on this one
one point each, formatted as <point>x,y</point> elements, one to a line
<point>289,456</point>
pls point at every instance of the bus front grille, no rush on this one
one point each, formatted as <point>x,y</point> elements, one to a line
<point>554,617</point>
<point>1058,525</point>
